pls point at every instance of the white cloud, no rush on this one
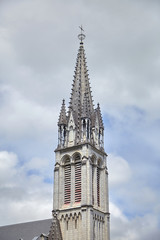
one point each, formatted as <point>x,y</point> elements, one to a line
<point>8,162</point>
<point>117,213</point>
<point>135,228</point>
<point>37,163</point>
<point>22,116</point>
<point>132,206</point>
<point>124,53</point>
<point>119,170</point>
<point>23,191</point>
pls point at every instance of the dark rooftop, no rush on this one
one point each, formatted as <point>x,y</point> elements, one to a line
<point>25,231</point>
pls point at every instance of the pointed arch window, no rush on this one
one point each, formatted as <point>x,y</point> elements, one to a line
<point>92,184</point>
<point>62,130</point>
<point>92,168</point>
<point>77,178</point>
<point>85,129</point>
<point>98,183</point>
<point>67,181</point>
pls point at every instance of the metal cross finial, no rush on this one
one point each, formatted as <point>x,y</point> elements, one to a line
<point>81,28</point>
<point>81,36</point>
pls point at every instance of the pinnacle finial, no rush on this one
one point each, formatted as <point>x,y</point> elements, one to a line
<point>81,36</point>
<point>62,117</point>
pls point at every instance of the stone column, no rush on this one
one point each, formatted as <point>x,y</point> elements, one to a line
<point>107,227</point>
<point>90,234</point>
<point>56,189</point>
<point>61,186</point>
<point>84,224</point>
<point>106,191</point>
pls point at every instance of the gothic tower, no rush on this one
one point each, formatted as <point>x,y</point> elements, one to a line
<point>80,174</point>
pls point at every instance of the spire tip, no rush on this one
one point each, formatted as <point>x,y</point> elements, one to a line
<point>81,36</point>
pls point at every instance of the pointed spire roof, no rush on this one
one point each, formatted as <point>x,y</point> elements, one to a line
<point>62,117</point>
<point>81,103</point>
<point>81,97</point>
<point>81,84</point>
<point>85,107</point>
<point>99,116</point>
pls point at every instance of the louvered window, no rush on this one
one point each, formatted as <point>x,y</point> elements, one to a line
<point>92,184</point>
<point>77,179</point>
<point>67,183</point>
<point>98,186</point>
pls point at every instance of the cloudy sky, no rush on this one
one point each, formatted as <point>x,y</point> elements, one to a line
<point>38,49</point>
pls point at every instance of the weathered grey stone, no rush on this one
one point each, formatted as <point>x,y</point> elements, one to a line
<point>81,168</point>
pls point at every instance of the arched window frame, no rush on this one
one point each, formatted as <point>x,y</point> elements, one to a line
<point>67,179</point>
<point>98,181</point>
<point>78,183</point>
<point>93,164</point>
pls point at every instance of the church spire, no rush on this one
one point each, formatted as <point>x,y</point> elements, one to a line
<point>81,90</point>
<point>80,173</point>
<point>81,84</point>
<point>83,123</point>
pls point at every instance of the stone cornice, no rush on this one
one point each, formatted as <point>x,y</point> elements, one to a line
<point>75,147</point>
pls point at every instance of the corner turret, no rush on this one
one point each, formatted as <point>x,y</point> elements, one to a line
<point>62,123</point>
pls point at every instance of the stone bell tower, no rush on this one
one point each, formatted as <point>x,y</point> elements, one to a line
<point>80,174</point>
